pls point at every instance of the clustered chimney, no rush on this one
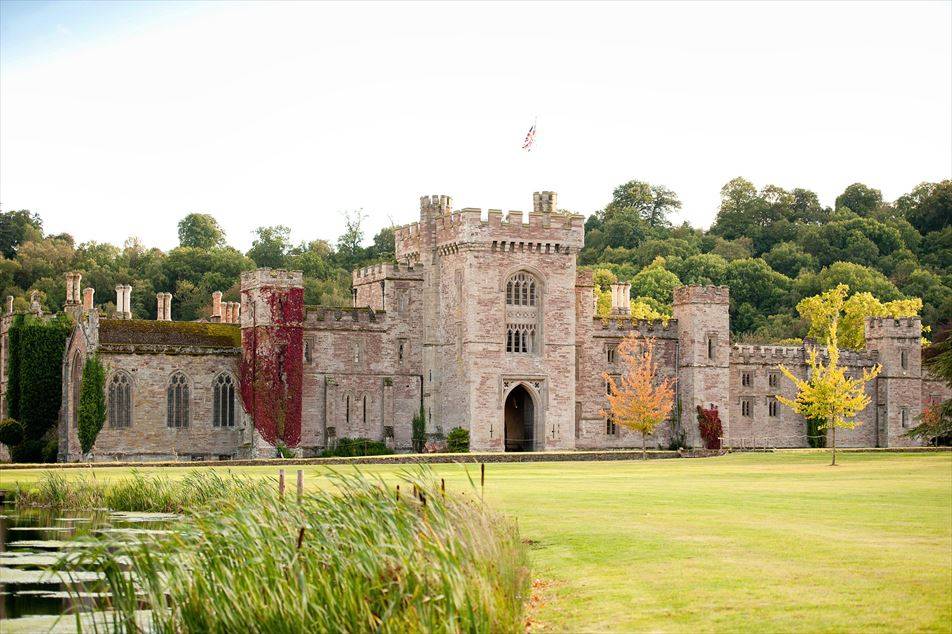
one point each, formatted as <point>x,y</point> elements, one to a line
<point>73,280</point>
<point>123,293</point>
<point>621,298</point>
<point>216,306</point>
<point>35,307</point>
<point>163,306</point>
<point>224,312</point>
<point>9,304</point>
<point>88,298</point>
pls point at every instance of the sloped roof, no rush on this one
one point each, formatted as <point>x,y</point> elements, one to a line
<point>169,333</point>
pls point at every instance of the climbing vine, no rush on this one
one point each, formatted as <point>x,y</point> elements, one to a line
<point>34,389</point>
<point>272,368</point>
<point>92,403</point>
<point>709,424</point>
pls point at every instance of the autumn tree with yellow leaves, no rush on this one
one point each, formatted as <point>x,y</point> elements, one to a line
<point>828,395</point>
<point>639,400</point>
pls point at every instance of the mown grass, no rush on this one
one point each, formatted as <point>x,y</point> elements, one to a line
<point>753,542</point>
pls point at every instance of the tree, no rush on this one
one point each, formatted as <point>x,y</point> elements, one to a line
<point>936,421</point>
<point>928,207</point>
<point>17,227</point>
<point>270,247</point>
<point>828,395</point>
<point>739,207</point>
<point>860,199</point>
<point>92,403</point>
<point>201,231</point>
<point>640,401</point>
<point>833,307</point>
<point>652,203</point>
<point>788,258</point>
<point>655,282</point>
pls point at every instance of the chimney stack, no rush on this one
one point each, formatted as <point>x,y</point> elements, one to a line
<point>35,307</point>
<point>9,304</point>
<point>621,298</point>
<point>167,307</point>
<point>120,300</point>
<point>88,298</point>
<point>216,306</point>
<point>160,306</point>
<point>236,312</point>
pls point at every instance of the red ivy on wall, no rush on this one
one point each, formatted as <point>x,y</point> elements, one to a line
<point>709,424</point>
<point>272,367</point>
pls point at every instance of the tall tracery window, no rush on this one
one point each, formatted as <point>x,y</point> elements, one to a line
<point>223,403</point>
<point>120,400</point>
<point>177,396</point>
<point>523,312</point>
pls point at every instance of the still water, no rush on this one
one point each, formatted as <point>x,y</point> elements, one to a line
<point>33,579</point>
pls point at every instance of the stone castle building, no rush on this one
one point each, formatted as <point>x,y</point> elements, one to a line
<point>485,322</point>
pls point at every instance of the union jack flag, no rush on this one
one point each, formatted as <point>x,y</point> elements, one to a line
<point>530,139</point>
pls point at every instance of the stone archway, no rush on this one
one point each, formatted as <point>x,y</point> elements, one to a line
<point>519,416</point>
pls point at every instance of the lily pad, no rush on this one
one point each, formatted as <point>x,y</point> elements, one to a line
<point>134,531</point>
<point>50,543</point>
<point>15,575</point>
<point>143,517</point>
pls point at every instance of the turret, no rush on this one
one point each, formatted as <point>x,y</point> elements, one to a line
<point>898,400</point>
<point>271,316</point>
<point>703,355</point>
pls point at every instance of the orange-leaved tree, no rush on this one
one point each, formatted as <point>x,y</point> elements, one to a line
<point>638,399</point>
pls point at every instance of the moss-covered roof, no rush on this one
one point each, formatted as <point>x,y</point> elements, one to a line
<point>174,333</point>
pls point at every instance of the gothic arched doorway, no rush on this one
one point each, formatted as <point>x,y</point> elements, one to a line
<point>520,420</point>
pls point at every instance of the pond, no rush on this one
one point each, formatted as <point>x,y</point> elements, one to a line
<point>33,541</point>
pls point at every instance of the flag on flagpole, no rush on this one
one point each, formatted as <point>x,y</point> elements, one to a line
<point>530,138</point>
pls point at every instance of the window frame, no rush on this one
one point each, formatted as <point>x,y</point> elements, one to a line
<point>223,418</point>
<point>112,414</point>
<point>178,407</point>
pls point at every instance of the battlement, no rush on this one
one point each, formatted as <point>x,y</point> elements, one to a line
<point>435,205</point>
<point>701,295</point>
<point>889,327</point>
<point>622,326</point>
<point>318,317</point>
<point>766,354</point>
<point>378,272</point>
<point>545,202</point>
<point>585,277</point>
<point>275,278</point>
<point>541,230</point>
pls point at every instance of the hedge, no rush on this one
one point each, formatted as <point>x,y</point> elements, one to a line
<point>40,370</point>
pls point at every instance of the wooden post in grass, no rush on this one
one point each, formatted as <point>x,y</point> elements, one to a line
<point>281,483</point>
<point>300,485</point>
<point>398,493</point>
<point>482,479</point>
<point>443,487</point>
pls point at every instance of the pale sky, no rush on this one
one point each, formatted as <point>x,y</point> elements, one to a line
<point>117,119</point>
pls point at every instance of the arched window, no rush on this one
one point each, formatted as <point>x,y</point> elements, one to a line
<point>523,314</point>
<point>223,403</point>
<point>120,400</point>
<point>521,290</point>
<point>177,397</point>
<point>347,411</point>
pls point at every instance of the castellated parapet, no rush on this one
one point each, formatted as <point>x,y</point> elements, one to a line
<point>892,328</point>
<point>543,230</point>
<point>701,295</point>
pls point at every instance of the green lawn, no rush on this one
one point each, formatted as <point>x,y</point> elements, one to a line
<point>757,542</point>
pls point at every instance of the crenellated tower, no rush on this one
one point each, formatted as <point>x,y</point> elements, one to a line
<point>272,315</point>
<point>703,356</point>
<point>897,346</point>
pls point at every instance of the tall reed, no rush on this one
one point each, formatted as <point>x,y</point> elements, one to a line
<point>349,559</point>
<point>139,492</point>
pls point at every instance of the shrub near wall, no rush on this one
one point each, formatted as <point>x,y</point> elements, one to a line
<point>36,367</point>
<point>457,441</point>
<point>92,403</point>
